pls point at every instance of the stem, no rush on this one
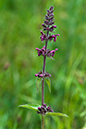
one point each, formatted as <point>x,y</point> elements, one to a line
<point>43,79</point>
<point>44,63</point>
<point>42,122</point>
<point>43,91</point>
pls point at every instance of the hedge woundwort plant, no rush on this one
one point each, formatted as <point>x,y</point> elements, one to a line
<point>46,36</point>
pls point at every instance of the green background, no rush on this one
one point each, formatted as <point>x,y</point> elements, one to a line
<point>20,25</point>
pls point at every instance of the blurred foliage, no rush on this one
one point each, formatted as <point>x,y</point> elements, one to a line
<point>20,25</point>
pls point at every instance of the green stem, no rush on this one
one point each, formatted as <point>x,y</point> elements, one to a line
<point>42,122</point>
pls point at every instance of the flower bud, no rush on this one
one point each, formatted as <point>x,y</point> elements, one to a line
<point>43,25</point>
<point>51,8</point>
<point>46,22</point>
<point>56,49</point>
<point>39,108</point>
<point>49,75</point>
<point>41,75</point>
<point>54,26</point>
<point>58,35</point>
<point>36,75</point>
<point>44,105</point>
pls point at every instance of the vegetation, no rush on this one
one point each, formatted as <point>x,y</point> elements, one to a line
<point>19,36</point>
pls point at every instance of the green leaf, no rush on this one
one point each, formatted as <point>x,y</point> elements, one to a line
<point>48,83</point>
<point>83,113</point>
<point>30,106</point>
<point>56,114</point>
<point>38,82</point>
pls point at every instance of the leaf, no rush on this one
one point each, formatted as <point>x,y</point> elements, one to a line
<point>48,83</point>
<point>56,114</point>
<point>38,82</point>
<point>30,106</point>
<point>83,113</point>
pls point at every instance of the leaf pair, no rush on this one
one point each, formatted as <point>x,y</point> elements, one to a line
<point>39,81</point>
<point>35,108</point>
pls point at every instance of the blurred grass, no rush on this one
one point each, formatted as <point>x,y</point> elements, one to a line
<point>20,25</point>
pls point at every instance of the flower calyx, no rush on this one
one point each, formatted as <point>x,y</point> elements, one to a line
<point>44,109</point>
<point>45,52</point>
<point>50,37</point>
<point>41,74</point>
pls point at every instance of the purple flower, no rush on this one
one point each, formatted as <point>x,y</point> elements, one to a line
<point>48,26</point>
<point>49,18</point>
<point>43,25</point>
<point>44,52</point>
<point>50,15</point>
<point>48,108</point>
<point>53,52</point>
<point>51,8</point>
<point>52,28</point>
<point>36,75</point>
<point>46,22</point>
<point>39,108</point>
<point>53,36</point>
<point>44,109</point>
<point>51,23</point>
<point>43,36</point>
<point>39,51</point>
<point>44,105</point>
<point>43,48</point>
<point>41,74</point>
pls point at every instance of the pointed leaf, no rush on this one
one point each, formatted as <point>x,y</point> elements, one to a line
<point>56,114</point>
<point>48,83</point>
<point>30,106</point>
<point>38,82</point>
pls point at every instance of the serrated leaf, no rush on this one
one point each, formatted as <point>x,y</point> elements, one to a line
<point>56,114</point>
<point>48,83</point>
<point>30,106</point>
<point>38,82</point>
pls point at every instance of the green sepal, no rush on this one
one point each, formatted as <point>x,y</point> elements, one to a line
<point>47,80</point>
<point>30,106</point>
<point>56,114</point>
